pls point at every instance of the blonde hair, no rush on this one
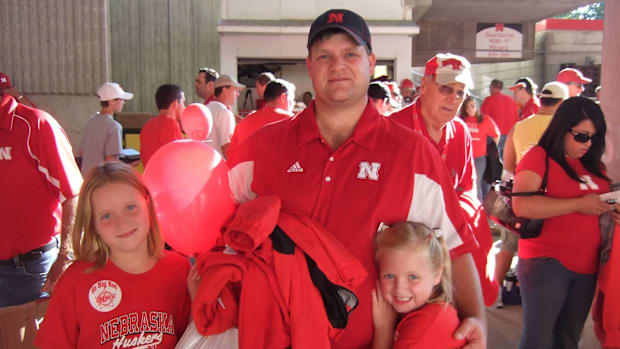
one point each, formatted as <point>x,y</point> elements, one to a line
<point>419,237</point>
<point>87,245</point>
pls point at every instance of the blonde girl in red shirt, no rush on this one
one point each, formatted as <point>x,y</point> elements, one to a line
<point>415,288</point>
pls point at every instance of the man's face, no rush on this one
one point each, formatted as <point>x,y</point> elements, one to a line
<point>340,70</point>
<point>229,95</point>
<point>117,104</point>
<point>442,102</point>
<point>203,88</point>
<point>574,89</point>
<point>260,90</point>
<point>521,95</point>
<point>180,107</point>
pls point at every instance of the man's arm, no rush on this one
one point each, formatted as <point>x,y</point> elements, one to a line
<point>469,304</point>
<point>64,259</point>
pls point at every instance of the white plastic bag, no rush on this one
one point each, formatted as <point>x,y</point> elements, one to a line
<point>192,339</point>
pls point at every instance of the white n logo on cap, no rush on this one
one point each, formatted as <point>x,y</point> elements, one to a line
<point>369,170</point>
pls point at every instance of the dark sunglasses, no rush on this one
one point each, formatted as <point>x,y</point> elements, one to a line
<point>448,91</point>
<point>581,137</point>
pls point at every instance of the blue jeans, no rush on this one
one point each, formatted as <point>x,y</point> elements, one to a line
<point>480,163</point>
<point>21,283</point>
<point>556,303</point>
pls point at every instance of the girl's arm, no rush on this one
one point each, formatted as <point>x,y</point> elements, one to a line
<point>384,319</point>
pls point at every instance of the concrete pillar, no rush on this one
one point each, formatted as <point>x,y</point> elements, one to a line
<point>610,70</point>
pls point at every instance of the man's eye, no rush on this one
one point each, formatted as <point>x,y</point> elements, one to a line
<point>388,276</point>
<point>413,277</point>
<point>132,207</point>
<point>105,217</point>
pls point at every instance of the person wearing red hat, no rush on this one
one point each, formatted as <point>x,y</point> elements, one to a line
<point>574,80</point>
<point>524,91</point>
<point>407,88</point>
<point>346,166</point>
<point>7,87</point>
<point>39,182</point>
<point>447,78</point>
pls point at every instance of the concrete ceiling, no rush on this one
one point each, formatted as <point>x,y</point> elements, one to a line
<point>491,11</point>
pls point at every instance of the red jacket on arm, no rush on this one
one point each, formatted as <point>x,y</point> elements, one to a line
<point>279,305</point>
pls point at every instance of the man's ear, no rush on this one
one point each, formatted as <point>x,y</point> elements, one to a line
<point>372,61</point>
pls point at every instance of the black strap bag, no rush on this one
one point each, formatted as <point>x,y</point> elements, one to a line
<point>497,204</point>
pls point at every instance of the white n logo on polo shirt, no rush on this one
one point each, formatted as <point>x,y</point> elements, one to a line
<point>5,153</point>
<point>369,170</point>
<point>589,183</point>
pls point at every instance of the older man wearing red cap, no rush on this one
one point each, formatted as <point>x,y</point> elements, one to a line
<point>574,80</point>
<point>447,78</point>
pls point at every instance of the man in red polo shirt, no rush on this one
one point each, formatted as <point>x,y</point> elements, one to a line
<point>447,78</point>
<point>164,128</point>
<point>502,109</point>
<point>574,80</point>
<point>39,182</point>
<point>205,84</point>
<point>279,98</point>
<point>342,163</point>
<point>524,91</point>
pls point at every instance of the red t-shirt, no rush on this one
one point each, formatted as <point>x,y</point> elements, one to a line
<point>573,239</point>
<point>37,174</point>
<point>530,108</point>
<point>255,120</point>
<point>430,327</point>
<point>110,308</point>
<point>479,133</point>
<point>156,133</point>
<point>382,173</point>
<point>502,109</point>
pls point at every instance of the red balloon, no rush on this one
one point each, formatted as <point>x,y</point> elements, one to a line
<point>189,184</point>
<point>196,121</point>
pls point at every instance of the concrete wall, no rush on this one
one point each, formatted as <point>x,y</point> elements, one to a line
<point>310,9</point>
<point>571,46</point>
<point>154,42</point>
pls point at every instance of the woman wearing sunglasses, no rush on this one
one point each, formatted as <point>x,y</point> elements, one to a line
<point>557,270</point>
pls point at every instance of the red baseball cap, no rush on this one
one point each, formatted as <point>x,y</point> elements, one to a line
<point>569,75</point>
<point>5,82</point>
<point>406,83</point>
<point>448,68</point>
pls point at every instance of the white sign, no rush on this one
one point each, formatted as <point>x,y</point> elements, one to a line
<point>497,40</point>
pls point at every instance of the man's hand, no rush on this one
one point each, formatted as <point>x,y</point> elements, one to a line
<point>59,266</point>
<point>473,331</point>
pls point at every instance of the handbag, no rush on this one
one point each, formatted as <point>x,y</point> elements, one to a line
<point>497,203</point>
<point>493,170</point>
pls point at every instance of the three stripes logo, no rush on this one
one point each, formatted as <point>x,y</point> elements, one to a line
<point>295,168</point>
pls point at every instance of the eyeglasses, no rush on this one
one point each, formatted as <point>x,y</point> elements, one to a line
<point>581,137</point>
<point>448,91</point>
